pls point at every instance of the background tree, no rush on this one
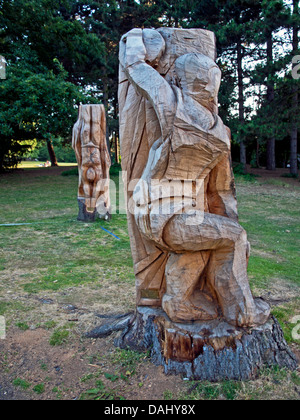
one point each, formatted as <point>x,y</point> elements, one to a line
<point>234,23</point>
<point>35,105</point>
<point>39,97</point>
<point>274,17</point>
<point>253,49</point>
<point>295,95</point>
<point>275,114</point>
<point>73,45</point>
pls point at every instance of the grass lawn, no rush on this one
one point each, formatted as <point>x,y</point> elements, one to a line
<point>58,275</point>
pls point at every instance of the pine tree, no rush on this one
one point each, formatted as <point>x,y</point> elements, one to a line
<point>295,98</point>
<point>275,16</point>
<point>234,24</point>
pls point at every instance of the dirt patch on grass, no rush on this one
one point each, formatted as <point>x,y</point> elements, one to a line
<point>53,360</point>
<point>280,293</point>
<point>69,371</point>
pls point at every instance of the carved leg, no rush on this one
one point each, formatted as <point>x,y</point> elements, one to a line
<point>227,271</point>
<point>186,298</point>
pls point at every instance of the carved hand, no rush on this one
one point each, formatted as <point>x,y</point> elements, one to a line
<point>132,48</point>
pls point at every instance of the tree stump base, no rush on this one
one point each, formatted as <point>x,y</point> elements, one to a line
<point>84,215</point>
<point>90,217</point>
<point>211,351</point>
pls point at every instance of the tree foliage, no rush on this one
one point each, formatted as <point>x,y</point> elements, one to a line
<point>39,96</point>
<point>61,52</point>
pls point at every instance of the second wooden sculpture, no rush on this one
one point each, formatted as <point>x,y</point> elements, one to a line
<point>89,143</point>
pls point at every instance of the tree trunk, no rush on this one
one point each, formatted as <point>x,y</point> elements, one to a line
<point>116,148</point>
<point>294,149</point>
<point>271,145</point>
<point>271,161</point>
<point>243,149</point>
<point>257,154</point>
<point>116,133</point>
<point>105,103</point>
<point>294,130</point>
<point>51,153</point>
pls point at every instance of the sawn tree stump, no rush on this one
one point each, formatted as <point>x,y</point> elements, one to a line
<point>211,351</point>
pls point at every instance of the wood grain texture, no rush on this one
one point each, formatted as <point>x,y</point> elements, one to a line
<point>190,253</point>
<point>89,143</point>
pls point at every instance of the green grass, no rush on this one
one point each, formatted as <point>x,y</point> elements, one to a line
<point>39,389</point>
<point>22,326</point>
<point>21,383</point>
<point>62,251</point>
<point>227,390</point>
<point>100,392</point>
<point>12,307</point>
<point>58,256</point>
<point>57,251</point>
<point>271,217</point>
<point>269,211</point>
<point>60,336</point>
<point>285,316</point>
<point>49,325</point>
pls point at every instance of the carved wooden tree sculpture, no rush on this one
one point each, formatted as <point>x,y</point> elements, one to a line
<point>89,143</point>
<point>190,253</point>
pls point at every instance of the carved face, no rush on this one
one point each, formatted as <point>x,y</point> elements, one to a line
<point>200,77</point>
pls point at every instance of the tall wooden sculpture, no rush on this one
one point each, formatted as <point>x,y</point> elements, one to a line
<point>195,308</point>
<point>89,143</point>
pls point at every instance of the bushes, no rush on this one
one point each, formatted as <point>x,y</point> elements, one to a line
<point>71,172</point>
<point>64,154</point>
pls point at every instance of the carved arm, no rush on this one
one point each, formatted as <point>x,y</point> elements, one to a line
<point>147,81</point>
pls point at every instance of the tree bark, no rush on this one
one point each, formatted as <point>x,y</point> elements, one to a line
<point>271,151</point>
<point>271,143</point>
<point>52,153</point>
<point>105,103</point>
<point>243,149</point>
<point>294,129</point>
<point>257,154</point>
<point>199,351</point>
<point>117,154</point>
